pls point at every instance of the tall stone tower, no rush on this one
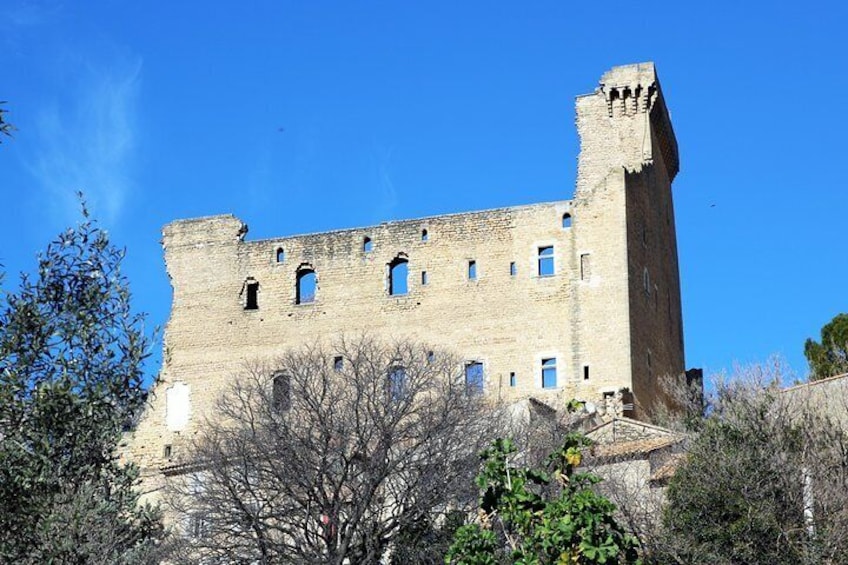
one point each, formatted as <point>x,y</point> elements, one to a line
<point>629,317</point>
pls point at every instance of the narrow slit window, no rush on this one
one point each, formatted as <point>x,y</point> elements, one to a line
<point>585,267</point>
<point>431,356</point>
<point>251,299</point>
<point>566,220</point>
<point>367,245</point>
<point>546,261</point>
<point>472,270</point>
<point>397,384</point>
<point>338,363</point>
<point>512,380</point>
<point>281,255</point>
<point>549,373</point>
<point>474,377</point>
<point>281,392</point>
<point>425,236</point>
<point>585,372</point>
<point>646,281</point>
<point>166,452</point>
<point>425,279</point>
<point>306,286</point>
<point>398,273</point>
<point>513,269</point>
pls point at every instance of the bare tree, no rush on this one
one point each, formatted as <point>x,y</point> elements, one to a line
<point>332,454</point>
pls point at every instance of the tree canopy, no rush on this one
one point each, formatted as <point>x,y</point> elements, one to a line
<point>830,356</point>
<point>71,354</point>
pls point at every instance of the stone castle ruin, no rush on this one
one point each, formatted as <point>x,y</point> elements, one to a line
<point>574,299</point>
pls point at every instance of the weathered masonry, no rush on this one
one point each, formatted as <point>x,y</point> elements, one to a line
<point>572,299</point>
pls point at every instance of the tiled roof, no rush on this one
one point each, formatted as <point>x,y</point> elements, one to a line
<point>631,448</point>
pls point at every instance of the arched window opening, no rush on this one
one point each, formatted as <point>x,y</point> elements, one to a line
<point>281,392</point>
<point>566,220</point>
<point>424,235</point>
<point>546,261</point>
<point>306,286</point>
<point>549,373</point>
<point>281,255</point>
<point>367,245</point>
<point>398,273</point>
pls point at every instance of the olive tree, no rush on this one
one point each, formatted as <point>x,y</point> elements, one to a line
<point>71,379</point>
<point>340,453</point>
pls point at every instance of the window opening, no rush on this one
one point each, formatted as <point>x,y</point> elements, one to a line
<point>646,281</point>
<point>585,372</point>
<point>585,267</point>
<point>425,279</point>
<point>367,245</point>
<point>546,261</point>
<point>609,395</point>
<point>281,255</point>
<point>431,356</point>
<point>398,273</point>
<point>513,270</point>
<point>251,301</point>
<point>566,220</point>
<point>281,392</point>
<point>512,379</point>
<point>472,270</point>
<point>306,286</point>
<point>397,383</point>
<point>474,377</point>
<point>424,235</point>
<point>166,452</point>
<point>338,363</point>
<point>549,373</point>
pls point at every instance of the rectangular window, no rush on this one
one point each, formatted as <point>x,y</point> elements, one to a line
<point>281,392</point>
<point>474,377</point>
<point>397,384</point>
<point>513,270</point>
<point>585,372</point>
<point>512,379</point>
<point>166,453</point>
<point>425,279</point>
<point>338,363</point>
<point>472,270</point>
<point>546,261</point>
<point>252,299</point>
<point>549,373</point>
<point>585,267</point>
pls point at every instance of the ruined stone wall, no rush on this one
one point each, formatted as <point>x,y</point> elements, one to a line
<point>589,314</point>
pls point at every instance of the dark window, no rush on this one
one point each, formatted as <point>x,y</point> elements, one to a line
<point>397,383</point>
<point>398,273</point>
<point>546,261</point>
<point>424,278</point>
<point>566,220</point>
<point>306,286</point>
<point>646,281</point>
<point>338,363</point>
<point>472,270</point>
<point>281,392</point>
<point>549,373</point>
<point>251,301</point>
<point>585,372</point>
<point>585,267</point>
<point>512,379</point>
<point>513,270</point>
<point>431,356</point>
<point>166,452</point>
<point>474,377</point>
<point>424,235</point>
<point>367,245</point>
<point>281,255</point>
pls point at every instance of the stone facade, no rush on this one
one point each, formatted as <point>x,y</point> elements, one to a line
<point>589,285</point>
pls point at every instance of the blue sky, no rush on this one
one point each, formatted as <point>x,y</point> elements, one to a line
<point>308,116</point>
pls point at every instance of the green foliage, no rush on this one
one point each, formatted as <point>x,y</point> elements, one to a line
<point>541,516</point>
<point>71,353</point>
<point>830,357</point>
